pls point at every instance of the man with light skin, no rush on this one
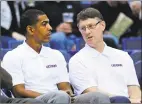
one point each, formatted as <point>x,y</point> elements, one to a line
<point>100,68</point>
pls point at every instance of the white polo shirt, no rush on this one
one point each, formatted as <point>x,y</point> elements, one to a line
<point>39,72</point>
<point>111,71</point>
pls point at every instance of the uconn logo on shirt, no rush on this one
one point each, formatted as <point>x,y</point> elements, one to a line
<point>116,65</point>
<point>51,66</point>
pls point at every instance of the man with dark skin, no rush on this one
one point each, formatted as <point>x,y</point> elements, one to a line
<point>36,27</point>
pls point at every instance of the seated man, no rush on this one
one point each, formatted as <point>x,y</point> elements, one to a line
<point>38,71</point>
<point>100,68</point>
<point>6,83</point>
<point>34,70</point>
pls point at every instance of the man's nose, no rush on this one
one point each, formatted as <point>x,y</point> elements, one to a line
<point>49,27</point>
<point>87,30</point>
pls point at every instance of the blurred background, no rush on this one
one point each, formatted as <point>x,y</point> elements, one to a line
<point>65,36</point>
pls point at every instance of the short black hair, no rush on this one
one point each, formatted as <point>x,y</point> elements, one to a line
<point>89,13</point>
<point>29,17</point>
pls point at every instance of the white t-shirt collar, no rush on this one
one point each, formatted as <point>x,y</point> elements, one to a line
<point>94,53</point>
<point>32,53</point>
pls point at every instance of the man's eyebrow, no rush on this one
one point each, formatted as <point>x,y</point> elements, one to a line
<point>47,21</point>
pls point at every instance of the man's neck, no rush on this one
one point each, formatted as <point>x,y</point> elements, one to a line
<point>100,47</point>
<point>34,45</point>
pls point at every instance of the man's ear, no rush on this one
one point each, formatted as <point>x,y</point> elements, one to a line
<point>103,25</point>
<point>30,30</point>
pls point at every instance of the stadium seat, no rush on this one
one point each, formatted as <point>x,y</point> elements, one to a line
<point>132,43</point>
<point>138,67</point>
<point>0,45</point>
<point>3,52</point>
<point>72,53</point>
<point>14,43</point>
<point>47,44</point>
<point>4,41</point>
<point>79,43</point>
<point>136,55</point>
<point>66,55</point>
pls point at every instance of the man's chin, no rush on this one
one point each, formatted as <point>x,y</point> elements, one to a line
<point>46,41</point>
<point>91,45</point>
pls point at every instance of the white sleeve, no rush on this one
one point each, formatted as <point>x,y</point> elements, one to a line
<point>80,77</point>
<point>131,73</point>
<point>62,74</point>
<point>12,64</point>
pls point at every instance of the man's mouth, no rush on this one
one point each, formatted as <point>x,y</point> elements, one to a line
<point>89,37</point>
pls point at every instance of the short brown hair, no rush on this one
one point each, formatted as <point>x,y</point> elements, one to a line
<point>89,13</point>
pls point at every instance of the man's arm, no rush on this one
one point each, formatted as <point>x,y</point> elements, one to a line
<point>65,86</point>
<point>95,89</point>
<point>20,91</point>
<point>134,94</point>
<point>132,82</point>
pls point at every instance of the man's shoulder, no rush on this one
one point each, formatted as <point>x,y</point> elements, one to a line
<point>79,55</point>
<point>117,52</point>
<point>13,56</point>
<point>15,52</point>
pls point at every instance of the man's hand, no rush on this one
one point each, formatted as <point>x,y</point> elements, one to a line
<point>134,94</point>
<point>135,100</point>
<point>71,95</point>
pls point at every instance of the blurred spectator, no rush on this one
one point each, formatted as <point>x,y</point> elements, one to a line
<point>63,37</point>
<point>66,28</point>
<point>10,18</point>
<point>111,9</point>
<point>136,8</point>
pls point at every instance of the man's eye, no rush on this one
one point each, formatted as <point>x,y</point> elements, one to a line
<point>82,28</point>
<point>90,26</point>
<point>44,23</point>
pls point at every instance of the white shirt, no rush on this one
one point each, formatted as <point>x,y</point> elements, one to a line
<point>110,71</point>
<point>39,72</point>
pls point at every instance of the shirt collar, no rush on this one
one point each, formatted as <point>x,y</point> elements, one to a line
<point>94,53</point>
<point>106,50</point>
<point>32,53</point>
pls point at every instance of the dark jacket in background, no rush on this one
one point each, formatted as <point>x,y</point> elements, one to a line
<point>5,79</point>
<point>55,9</point>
